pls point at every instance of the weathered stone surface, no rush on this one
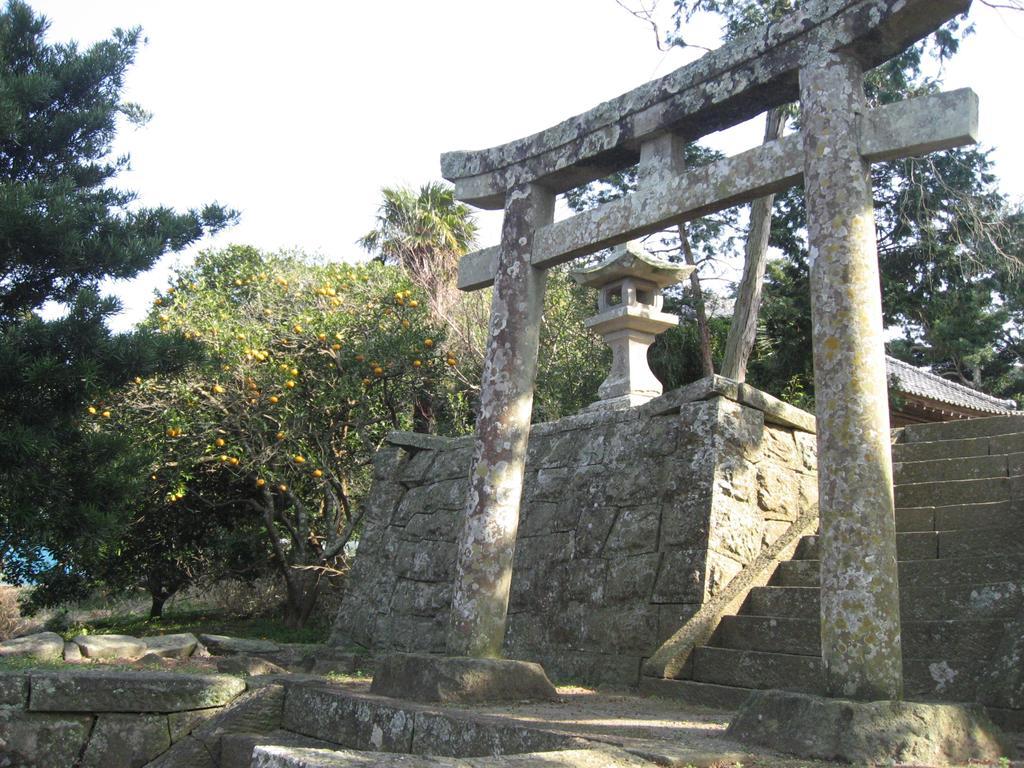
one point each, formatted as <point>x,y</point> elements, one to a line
<point>181,724</point>
<point>30,740</point>
<point>222,645</point>
<point>458,735</point>
<point>72,652</point>
<point>860,596</point>
<point>257,711</point>
<point>617,510</point>
<point>236,749</point>
<point>172,646</point>
<point>130,741</point>
<point>242,664</point>
<point>453,679</point>
<point>43,646</point>
<point>110,646</point>
<point>187,753</point>
<point>487,542</point>
<point>13,689</point>
<point>103,691</point>
<point>350,720</point>
<point>289,757</point>
<point>868,732</point>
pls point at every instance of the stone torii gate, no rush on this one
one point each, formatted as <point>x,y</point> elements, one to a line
<point>817,55</point>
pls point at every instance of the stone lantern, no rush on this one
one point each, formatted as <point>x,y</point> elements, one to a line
<point>629,285</point>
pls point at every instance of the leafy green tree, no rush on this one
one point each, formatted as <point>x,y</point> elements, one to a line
<point>64,226</point>
<point>308,368</point>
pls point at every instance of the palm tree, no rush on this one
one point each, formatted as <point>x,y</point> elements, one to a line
<point>425,233</point>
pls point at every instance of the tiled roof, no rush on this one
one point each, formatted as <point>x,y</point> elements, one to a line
<point>922,383</point>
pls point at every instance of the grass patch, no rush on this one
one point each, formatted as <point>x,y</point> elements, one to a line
<point>199,622</point>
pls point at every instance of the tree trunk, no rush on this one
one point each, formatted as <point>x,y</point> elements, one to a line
<point>303,589</point>
<point>707,364</point>
<point>156,608</point>
<point>423,412</point>
<point>743,330</point>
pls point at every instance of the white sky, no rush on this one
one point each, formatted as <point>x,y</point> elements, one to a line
<point>297,114</point>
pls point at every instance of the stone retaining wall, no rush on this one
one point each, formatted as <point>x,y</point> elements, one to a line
<point>630,521</point>
<point>103,719</point>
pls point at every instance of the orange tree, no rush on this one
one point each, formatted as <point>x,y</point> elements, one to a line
<point>308,366</point>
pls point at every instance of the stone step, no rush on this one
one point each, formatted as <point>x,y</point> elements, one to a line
<point>925,545</point>
<point>1001,600</point>
<point>917,573</point>
<point>940,449</point>
<point>941,493</point>
<point>693,692</point>
<point>961,468</point>
<point>959,430</point>
<point>951,639</point>
<point>923,679</point>
<point>955,517</point>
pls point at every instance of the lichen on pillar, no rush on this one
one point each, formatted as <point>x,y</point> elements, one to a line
<point>860,616</point>
<point>488,538</point>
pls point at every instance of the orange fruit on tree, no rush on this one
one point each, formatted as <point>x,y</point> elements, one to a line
<point>219,442</point>
<point>428,343</point>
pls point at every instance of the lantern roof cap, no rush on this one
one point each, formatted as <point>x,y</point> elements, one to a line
<point>631,260</point>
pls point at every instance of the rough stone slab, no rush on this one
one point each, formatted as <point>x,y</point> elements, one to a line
<point>110,646</point>
<point>940,493</point>
<point>419,677</point>
<point>243,664</point>
<point>289,757</point>
<point>941,449</point>
<point>755,669</point>
<point>172,646</point>
<point>126,741</point>
<point>222,645</point>
<point>72,652</point>
<point>13,689</point>
<point>187,753</point>
<point>460,735</point>
<point>256,711</point>
<point>990,542</point>
<point>912,545</point>
<point>181,724</point>
<point>960,468</point>
<point>30,740</point>
<point>868,733</point>
<point>103,691</point>
<point>236,749</point>
<point>985,515</point>
<point>358,722</point>
<point>917,573</point>
<point>968,428</point>
<point>692,692</point>
<point>42,646</point>
<point>1006,444</point>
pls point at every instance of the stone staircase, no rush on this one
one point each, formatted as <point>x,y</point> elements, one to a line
<point>960,540</point>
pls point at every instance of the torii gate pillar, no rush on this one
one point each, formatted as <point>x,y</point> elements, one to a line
<point>488,540</point>
<point>860,612</point>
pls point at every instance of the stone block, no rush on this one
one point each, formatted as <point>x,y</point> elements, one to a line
<point>594,527</point>
<point>130,741</point>
<point>103,691</point>
<point>415,634</point>
<point>630,629</point>
<point>583,580</point>
<point>672,617</point>
<point>685,521</point>
<point>635,531</point>
<point>681,578</point>
<point>187,753</point>
<point>778,492</point>
<point>807,446</point>
<point>259,710</point>
<point>778,447</point>
<point>347,719</point>
<point>172,646</point>
<point>883,732</point>
<point>449,679</point>
<point>457,735</point>
<point>417,467</point>
<point>110,646</point>
<point>422,598</point>
<point>181,724</point>
<point>453,464</point>
<point>589,668</point>
<point>438,525</point>
<point>721,569</point>
<point>31,740</point>
<point>737,530</point>
<point>13,689</point>
<point>42,646</point>
<point>236,749</point>
<point>222,645</point>
<point>243,664</point>
<point>426,560</point>
<point>72,652</point>
<point>631,579</point>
